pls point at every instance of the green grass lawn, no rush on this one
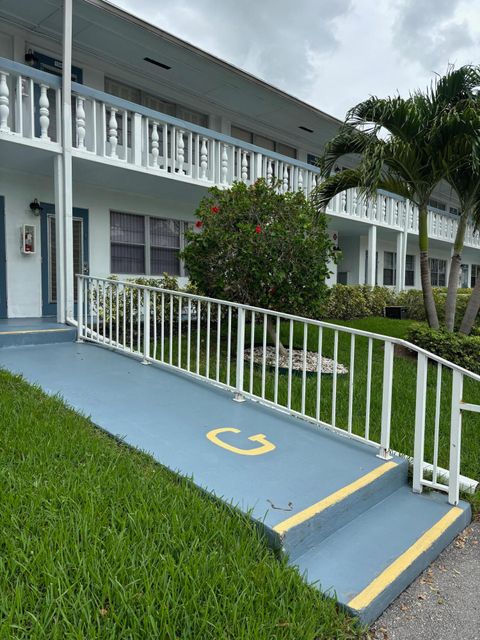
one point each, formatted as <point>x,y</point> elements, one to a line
<point>97,541</point>
<point>404,386</point>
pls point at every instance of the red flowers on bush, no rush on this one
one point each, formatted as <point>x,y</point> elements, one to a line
<point>214,209</point>
<point>258,229</point>
<point>198,224</point>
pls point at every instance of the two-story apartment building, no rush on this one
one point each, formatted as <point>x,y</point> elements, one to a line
<point>102,169</point>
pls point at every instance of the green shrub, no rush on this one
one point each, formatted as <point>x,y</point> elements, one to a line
<point>455,347</point>
<point>256,246</point>
<point>350,302</point>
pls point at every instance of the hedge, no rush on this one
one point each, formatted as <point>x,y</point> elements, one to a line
<point>350,302</point>
<point>454,347</point>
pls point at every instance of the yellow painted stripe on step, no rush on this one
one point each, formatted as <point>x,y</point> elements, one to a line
<point>391,573</point>
<point>16,333</point>
<point>337,496</point>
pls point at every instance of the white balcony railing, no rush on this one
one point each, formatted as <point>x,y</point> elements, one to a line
<point>344,379</point>
<point>29,103</point>
<point>124,132</point>
<point>114,131</point>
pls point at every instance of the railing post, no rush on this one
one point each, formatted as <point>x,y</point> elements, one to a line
<point>455,438</point>
<point>238,397</point>
<point>146,326</point>
<point>80,285</point>
<point>384,451</point>
<point>4,102</point>
<point>420,409</point>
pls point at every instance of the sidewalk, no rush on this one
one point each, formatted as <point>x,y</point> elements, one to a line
<point>444,602</point>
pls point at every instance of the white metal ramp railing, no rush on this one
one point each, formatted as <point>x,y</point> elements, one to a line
<point>215,341</point>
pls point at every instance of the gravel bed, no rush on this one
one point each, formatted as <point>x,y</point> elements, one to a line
<point>297,360</point>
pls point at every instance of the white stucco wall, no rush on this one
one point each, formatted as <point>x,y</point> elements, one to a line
<point>24,272</point>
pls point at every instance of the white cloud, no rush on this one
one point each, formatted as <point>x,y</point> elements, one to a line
<point>331,53</point>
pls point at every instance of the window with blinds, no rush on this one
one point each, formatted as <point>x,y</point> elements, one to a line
<point>409,270</point>
<point>164,246</point>
<point>438,272</point>
<point>389,268</point>
<point>146,245</point>
<point>156,103</point>
<point>262,141</point>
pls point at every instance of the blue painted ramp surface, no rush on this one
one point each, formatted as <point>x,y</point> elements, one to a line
<point>347,519</point>
<point>169,416</point>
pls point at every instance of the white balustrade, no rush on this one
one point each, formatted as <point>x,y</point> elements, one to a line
<point>180,152</point>
<point>4,102</point>
<point>224,164</point>
<point>244,166</point>
<point>113,132</point>
<point>203,159</point>
<point>80,122</point>
<point>44,110</point>
<point>155,144</point>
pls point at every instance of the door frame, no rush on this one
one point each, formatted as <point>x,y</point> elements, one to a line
<point>48,209</point>
<point>3,261</point>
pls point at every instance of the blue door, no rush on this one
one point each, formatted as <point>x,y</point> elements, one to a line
<point>3,262</point>
<point>49,254</point>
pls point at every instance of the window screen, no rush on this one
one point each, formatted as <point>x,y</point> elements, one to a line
<point>127,237</point>
<point>409,270</point>
<point>389,268</point>
<point>438,272</point>
<point>164,246</point>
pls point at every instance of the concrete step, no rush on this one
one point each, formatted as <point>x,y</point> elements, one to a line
<point>367,563</point>
<point>35,331</point>
<point>309,527</point>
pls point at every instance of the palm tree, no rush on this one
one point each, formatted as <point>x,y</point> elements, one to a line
<point>406,146</point>
<point>465,180</point>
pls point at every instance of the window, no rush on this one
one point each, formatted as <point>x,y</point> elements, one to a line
<point>127,238</point>
<point>475,274</point>
<point>463,276</point>
<point>409,271</point>
<point>164,246</point>
<point>144,245</point>
<point>438,272</point>
<point>342,277</point>
<point>437,204</point>
<point>389,268</point>
<point>454,211</point>
<point>138,96</point>
<point>262,141</point>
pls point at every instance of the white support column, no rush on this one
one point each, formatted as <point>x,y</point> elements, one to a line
<point>400,267</point>
<point>372,255</point>
<point>59,237</point>
<point>66,212</point>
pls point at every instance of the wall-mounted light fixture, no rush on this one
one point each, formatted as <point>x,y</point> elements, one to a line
<point>35,207</point>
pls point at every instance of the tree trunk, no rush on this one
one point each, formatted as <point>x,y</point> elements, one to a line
<point>428,299</point>
<point>272,332</point>
<point>471,311</point>
<point>455,264</point>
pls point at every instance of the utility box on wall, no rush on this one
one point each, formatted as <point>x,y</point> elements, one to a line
<point>28,239</point>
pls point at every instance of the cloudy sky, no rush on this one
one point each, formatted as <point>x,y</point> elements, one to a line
<point>330,53</point>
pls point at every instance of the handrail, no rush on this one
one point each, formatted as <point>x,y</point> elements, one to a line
<point>286,316</point>
<point>194,335</point>
<point>55,82</point>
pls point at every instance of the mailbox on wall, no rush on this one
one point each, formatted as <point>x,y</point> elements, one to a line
<point>28,239</point>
